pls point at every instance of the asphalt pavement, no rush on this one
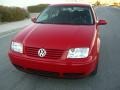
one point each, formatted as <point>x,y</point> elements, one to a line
<point>10,26</point>
<point>13,25</point>
<point>107,78</point>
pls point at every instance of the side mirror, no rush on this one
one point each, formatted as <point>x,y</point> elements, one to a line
<point>102,22</point>
<point>33,19</point>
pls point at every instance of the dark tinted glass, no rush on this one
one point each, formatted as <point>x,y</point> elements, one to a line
<point>74,15</point>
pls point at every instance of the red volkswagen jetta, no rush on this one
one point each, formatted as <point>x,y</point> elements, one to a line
<point>63,41</point>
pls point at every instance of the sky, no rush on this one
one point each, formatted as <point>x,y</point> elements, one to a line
<point>24,3</point>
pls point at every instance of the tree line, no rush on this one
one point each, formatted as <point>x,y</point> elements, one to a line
<point>8,14</point>
<point>37,8</point>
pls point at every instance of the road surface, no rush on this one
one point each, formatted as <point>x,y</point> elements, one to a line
<point>17,24</point>
<point>107,78</point>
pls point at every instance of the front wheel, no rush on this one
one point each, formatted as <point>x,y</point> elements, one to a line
<point>96,68</point>
<point>95,71</point>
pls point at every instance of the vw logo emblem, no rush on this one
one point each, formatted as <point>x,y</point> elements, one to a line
<point>41,52</point>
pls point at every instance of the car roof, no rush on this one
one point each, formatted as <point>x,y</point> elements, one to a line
<point>71,4</point>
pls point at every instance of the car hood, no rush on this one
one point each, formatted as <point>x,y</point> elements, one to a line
<point>58,36</point>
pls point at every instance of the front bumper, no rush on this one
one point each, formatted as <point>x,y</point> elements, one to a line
<point>63,68</point>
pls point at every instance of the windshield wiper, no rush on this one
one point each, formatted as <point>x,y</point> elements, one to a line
<point>42,22</point>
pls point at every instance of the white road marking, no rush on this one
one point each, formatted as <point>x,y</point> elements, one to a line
<point>5,35</point>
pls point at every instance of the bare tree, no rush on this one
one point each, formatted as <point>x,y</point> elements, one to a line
<point>97,3</point>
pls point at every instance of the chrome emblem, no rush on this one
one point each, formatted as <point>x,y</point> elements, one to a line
<point>41,52</point>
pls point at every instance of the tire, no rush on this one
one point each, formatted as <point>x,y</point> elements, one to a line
<point>21,69</point>
<point>95,71</point>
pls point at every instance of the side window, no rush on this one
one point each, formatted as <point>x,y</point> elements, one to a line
<point>44,17</point>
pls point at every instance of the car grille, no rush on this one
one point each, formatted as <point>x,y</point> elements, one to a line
<point>51,53</point>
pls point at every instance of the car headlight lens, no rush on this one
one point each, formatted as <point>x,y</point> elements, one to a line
<point>17,47</point>
<point>78,53</point>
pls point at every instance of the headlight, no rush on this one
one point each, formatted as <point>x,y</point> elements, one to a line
<point>17,47</point>
<point>78,53</point>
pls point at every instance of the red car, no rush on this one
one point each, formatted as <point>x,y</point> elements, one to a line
<point>63,41</point>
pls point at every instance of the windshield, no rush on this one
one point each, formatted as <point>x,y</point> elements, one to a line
<point>75,15</point>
